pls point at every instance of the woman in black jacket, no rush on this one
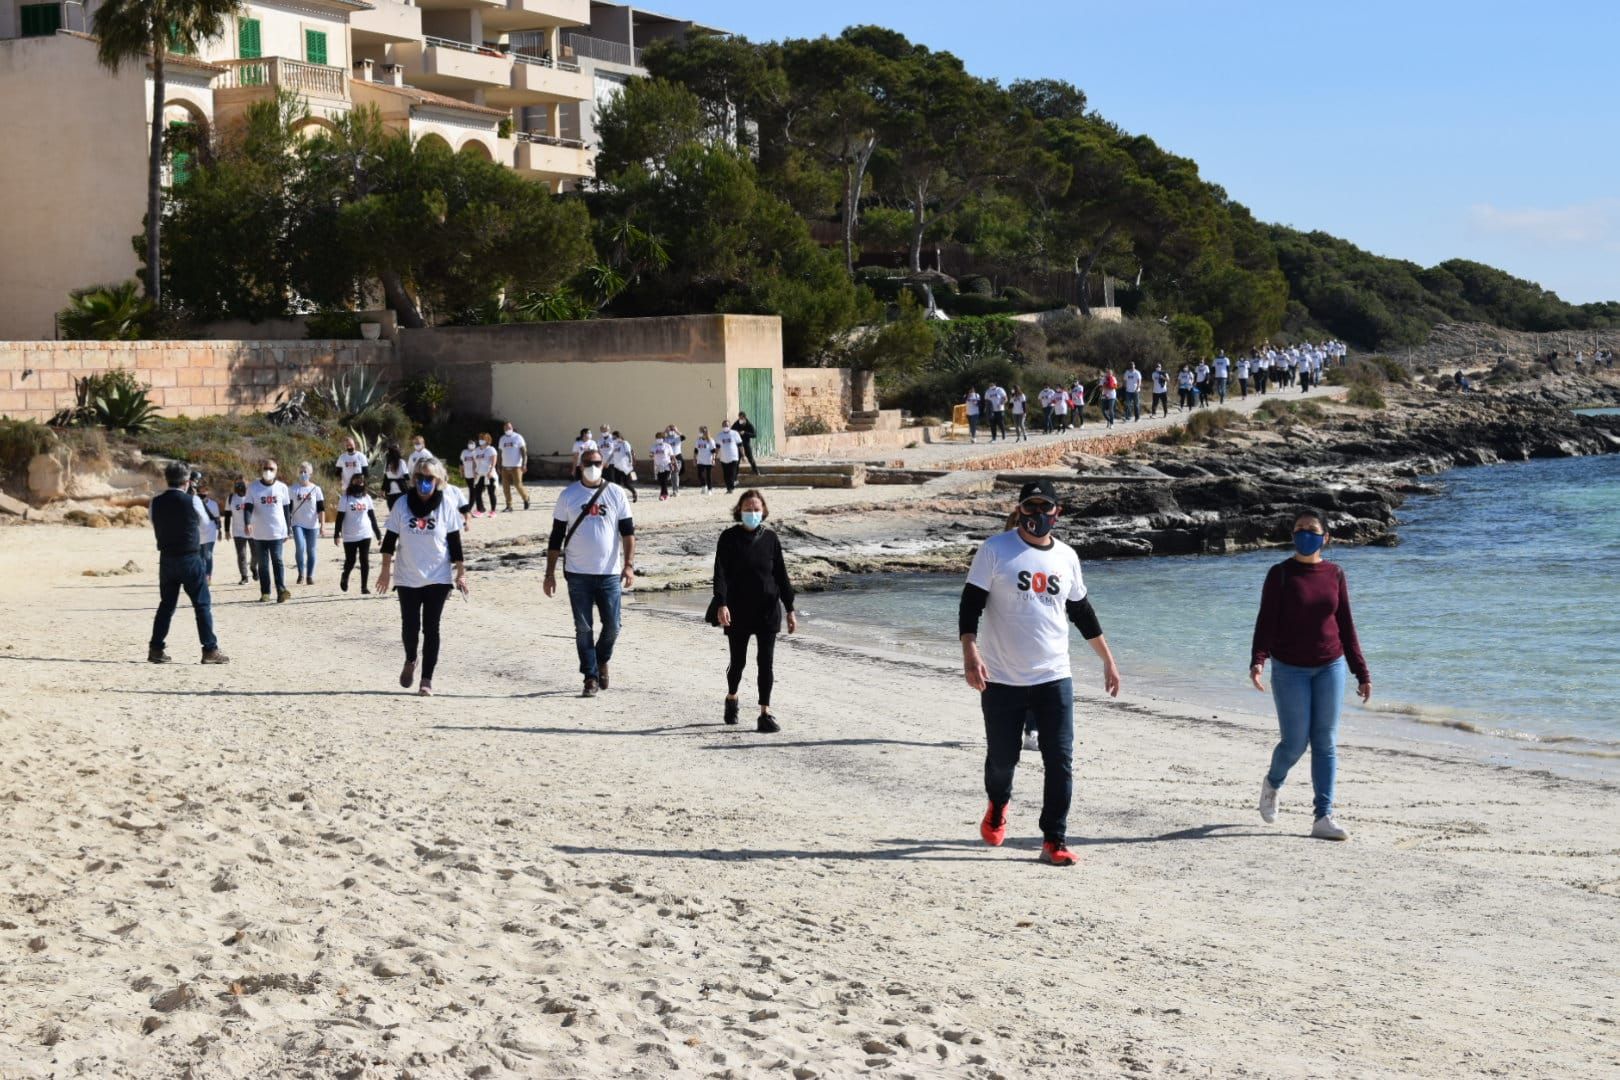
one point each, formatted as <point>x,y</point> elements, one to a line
<point>751,590</point>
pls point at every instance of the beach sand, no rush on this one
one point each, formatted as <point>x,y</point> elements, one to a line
<point>288,867</point>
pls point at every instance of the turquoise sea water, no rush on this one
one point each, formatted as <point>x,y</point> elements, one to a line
<point>1499,612</point>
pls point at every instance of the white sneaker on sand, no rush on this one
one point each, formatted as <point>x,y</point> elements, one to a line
<point>1268,801</point>
<point>1328,829</point>
<point>1032,741</point>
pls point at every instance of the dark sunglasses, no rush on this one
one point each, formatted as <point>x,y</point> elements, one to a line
<point>1038,506</point>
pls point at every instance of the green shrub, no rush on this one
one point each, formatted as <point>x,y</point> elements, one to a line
<point>1091,343</point>
<point>1277,410</point>
<point>1201,425</point>
<point>1393,370</point>
<point>1365,395</point>
<point>424,395</point>
<point>1193,336</point>
<point>1017,296</point>
<point>333,326</point>
<point>125,408</point>
<point>224,447</point>
<point>386,423</point>
<point>106,313</point>
<point>977,285</point>
<point>808,424</point>
<point>20,441</point>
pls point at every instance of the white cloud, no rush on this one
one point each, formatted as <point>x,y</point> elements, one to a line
<point>1594,224</point>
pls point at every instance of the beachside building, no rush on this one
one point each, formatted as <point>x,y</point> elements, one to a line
<point>495,78</point>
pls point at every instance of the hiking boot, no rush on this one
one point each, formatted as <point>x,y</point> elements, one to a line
<point>283,596</point>
<point>590,688</point>
<point>214,656</point>
<point>993,829</point>
<point>602,676</point>
<point>768,724</point>
<point>1328,829</point>
<point>157,656</point>
<point>731,710</point>
<point>1057,853</point>
<point>407,674</point>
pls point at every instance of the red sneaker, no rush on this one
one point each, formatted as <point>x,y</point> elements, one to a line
<point>994,826</point>
<point>1058,854</point>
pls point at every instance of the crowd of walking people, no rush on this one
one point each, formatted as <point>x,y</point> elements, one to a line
<point>1024,590</point>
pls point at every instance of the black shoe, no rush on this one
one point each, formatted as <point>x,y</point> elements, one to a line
<point>343,582</point>
<point>365,590</point>
<point>768,724</point>
<point>591,686</point>
<point>157,656</point>
<point>731,710</point>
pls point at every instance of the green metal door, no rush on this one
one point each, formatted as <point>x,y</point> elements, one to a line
<point>756,396</point>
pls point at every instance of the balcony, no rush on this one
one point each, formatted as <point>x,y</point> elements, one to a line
<point>316,84</point>
<point>450,66</point>
<point>536,80</point>
<point>387,22</point>
<point>542,157</point>
<point>595,48</point>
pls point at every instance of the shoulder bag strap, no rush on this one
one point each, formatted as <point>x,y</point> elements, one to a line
<point>583,514</point>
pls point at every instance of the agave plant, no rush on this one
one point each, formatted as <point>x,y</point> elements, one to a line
<point>353,394</point>
<point>106,313</point>
<point>122,407</point>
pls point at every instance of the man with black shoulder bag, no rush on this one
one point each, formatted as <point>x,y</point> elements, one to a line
<point>594,535</point>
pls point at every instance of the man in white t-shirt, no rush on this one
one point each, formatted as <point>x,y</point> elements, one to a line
<point>267,511</point>
<point>729,450</point>
<point>1025,585</point>
<point>971,402</point>
<point>995,403</point>
<point>1223,371</point>
<point>419,452</point>
<point>1132,390</point>
<point>350,463</point>
<point>514,462</point>
<point>594,536</point>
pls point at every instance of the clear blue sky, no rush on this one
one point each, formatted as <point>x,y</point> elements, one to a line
<point>1424,130</point>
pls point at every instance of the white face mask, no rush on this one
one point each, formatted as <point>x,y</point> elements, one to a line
<point>591,473</point>
<point>268,476</point>
<point>303,475</point>
<point>472,446</point>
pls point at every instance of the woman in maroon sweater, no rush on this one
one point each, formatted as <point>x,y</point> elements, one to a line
<point>1306,631</point>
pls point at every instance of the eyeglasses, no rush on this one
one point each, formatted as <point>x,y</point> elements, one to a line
<point>1038,506</point>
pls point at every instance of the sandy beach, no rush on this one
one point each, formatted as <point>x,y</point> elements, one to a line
<point>287,867</point>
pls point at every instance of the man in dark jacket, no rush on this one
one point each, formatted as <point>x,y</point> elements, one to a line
<point>177,517</point>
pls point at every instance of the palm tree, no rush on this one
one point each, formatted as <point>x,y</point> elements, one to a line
<point>141,30</point>
<point>105,313</point>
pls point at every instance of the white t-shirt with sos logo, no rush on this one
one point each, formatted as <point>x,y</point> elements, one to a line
<point>597,545</point>
<point>356,511</point>
<point>422,556</point>
<point>269,518</point>
<point>1024,634</point>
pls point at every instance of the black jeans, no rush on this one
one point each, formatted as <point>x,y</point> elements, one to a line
<point>176,572</point>
<point>706,476</point>
<point>748,452</point>
<point>1158,400</point>
<point>1006,709</point>
<point>357,550</point>
<point>764,661</point>
<point>243,567</point>
<point>998,424</point>
<point>728,472</point>
<point>419,612</point>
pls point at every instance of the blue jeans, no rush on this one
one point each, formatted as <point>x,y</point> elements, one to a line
<point>1006,709</point>
<point>587,595</point>
<point>207,552</point>
<point>1220,388</point>
<point>267,557</point>
<point>304,539</point>
<point>176,572</point>
<point>1133,405</point>
<point>1108,410</point>
<point>1308,702</point>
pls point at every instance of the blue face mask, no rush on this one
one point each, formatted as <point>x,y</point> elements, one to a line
<point>752,519</point>
<point>1308,543</point>
<point>425,487</point>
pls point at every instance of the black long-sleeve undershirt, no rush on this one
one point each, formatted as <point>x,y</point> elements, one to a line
<point>971,609</point>
<point>559,532</point>
<point>337,523</point>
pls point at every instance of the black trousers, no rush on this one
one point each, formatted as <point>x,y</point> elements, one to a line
<point>357,550</point>
<point>748,452</point>
<point>419,612</point>
<point>706,476</point>
<point>765,659</point>
<point>728,472</point>
<point>622,478</point>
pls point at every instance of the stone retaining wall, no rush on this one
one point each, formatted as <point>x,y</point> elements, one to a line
<point>1050,455</point>
<point>193,378</point>
<point>825,394</point>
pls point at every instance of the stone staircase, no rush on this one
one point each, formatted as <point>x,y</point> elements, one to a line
<point>830,474</point>
<point>864,421</point>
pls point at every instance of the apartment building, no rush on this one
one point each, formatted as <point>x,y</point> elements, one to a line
<point>496,78</point>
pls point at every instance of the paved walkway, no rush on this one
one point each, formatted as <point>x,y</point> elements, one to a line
<point>959,453</point>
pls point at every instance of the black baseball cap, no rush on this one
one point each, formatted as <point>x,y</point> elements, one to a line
<point>1042,488</point>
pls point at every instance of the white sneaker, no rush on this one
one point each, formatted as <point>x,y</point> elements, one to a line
<point>1328,829</point>
<point>1268,801</point>
<point>1032,741</point>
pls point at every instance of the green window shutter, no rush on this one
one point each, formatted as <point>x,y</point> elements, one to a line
<point>176,46</point>
<point>41,20</point>
<point>315,46</point>
<point>247,39</point>
<point>180,161</point>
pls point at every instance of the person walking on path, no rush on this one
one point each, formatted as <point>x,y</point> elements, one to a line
<point>1223,372</point>
<point>1045,399</point>
<point>485,458</point>
<point>581,445</point>
<point>514,463</point>
<point>621,465</point>
<point>728,449</point>
<point>469,470</point>
<point>594,536</point>
<point>354,529</point>
<point>350,463</point>
<point>419,452</point>
<point>1025,586</point>
<point>703,454</point>
<point>1306,630</point>
<point>1019,404</point>
<point>1132,404</point>
<point>210,529</point>
<point>1077,403</point>
<point>971,402</point>
<point>236,523</point>
<point>1161,392</point>
<point>995,405</point>
<point>177,519</point>
<point>663,464</point>
<point>308,521</point>
<point>744,428</point>
<point>422,561</point>
<point>1243,376</point>
<point>396,475</point>
<point>1060,409</point>
<point>268,509</point>
<point>1108,395</point>
<point>751,590</point>
<point>677,460</point>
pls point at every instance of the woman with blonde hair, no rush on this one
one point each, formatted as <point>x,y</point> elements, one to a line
<point>422,559</point>
<point>308,521</point>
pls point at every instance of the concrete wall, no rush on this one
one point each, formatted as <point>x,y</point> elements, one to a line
<point>638,375</point>
<point>192,378</point>
<point>73,175</point>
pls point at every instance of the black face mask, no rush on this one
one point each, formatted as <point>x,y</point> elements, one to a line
<point>357,489</point>
<point>241,489</point>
